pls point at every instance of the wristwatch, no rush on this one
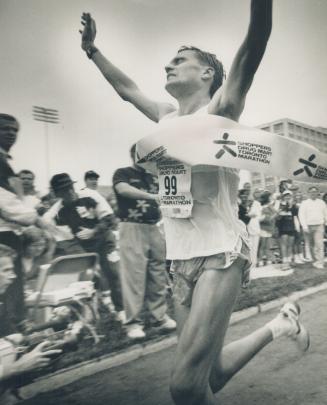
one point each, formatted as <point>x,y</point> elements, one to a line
<point>90,51</point>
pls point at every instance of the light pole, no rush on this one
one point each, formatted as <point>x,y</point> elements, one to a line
<point>48,116</point>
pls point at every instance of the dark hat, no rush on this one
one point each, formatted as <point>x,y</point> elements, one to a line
<point>91,174</point>
<point>60,181</point>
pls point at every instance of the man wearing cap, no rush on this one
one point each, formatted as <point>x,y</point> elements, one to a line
<point>91,180</point>
<point>89,217</point>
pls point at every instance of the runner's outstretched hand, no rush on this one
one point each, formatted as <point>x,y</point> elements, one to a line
<point>88,32</point>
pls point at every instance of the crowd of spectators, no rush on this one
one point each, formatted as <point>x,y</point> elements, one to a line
<point>287,228</point>
<point>36,229</point>
<point>125,231</point>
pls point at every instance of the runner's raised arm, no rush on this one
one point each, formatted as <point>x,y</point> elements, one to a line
<point>229,100</point>
<point>124,86</point>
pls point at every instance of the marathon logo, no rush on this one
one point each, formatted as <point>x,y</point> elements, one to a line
<point>245,150</point>
<point>308,165</point>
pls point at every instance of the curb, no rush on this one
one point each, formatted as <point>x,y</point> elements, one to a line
<point>85,369</point>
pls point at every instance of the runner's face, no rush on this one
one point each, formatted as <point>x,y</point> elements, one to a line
<point>7,274</point>
<point>184,74</point>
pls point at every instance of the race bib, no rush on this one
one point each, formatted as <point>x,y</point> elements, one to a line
<point>175,189</point>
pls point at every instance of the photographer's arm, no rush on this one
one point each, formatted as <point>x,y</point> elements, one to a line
<point>36,359</point>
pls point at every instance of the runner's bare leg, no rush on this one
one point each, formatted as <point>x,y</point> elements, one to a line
<point>196,374</point>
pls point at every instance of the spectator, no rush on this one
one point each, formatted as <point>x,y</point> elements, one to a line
<point>243,206</point>
<point>31,196</point>
<point>89,217</point>
<point>14,216</point>
<point>298,238</point>
<point>254,226</point>
<point>46,203</point>
<point>7,274</point>
<point>91,180</point>
<point>313,218</point>
<point>66,243</point>
<point>267,226</point>
<point>11,367</point>
<point>286,228</point>
<point>8,134</point>
<point>284,185</point>
<point>247,188</point>
<point>142,248</point>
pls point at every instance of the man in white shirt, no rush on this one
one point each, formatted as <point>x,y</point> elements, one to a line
<point>31,196</point>
<point>313,217</point>
<point>91,179</point>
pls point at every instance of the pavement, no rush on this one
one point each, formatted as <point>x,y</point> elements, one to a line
<point>279,375</point>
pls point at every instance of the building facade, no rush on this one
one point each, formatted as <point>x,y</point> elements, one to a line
<point>316,136</point>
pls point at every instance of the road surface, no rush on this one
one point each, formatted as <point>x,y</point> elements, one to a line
<point>279,375</point>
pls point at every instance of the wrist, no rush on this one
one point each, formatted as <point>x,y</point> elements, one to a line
<point>90,50</point>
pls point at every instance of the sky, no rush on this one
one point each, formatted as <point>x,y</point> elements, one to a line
<point>42,64</point>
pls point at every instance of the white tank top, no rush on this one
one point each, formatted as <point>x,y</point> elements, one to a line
<point>214,226</point>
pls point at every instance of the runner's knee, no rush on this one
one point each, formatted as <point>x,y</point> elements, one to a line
<point>185,389</point>
<point>189,380</point>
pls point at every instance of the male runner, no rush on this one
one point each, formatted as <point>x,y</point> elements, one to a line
<point>209,250</point>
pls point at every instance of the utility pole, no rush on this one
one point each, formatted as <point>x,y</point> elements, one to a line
<point>47,116</point>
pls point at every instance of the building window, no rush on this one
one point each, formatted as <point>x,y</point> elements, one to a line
<point>298,129</point>
<point>278,127</point>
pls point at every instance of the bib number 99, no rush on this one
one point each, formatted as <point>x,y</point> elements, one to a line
<point>170,184</point>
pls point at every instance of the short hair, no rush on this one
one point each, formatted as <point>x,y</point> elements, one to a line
<point>26,171</point>
<point>6,251</point>
<point>7,117</point>
<point>313,188</point>
<point>211,60</point>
